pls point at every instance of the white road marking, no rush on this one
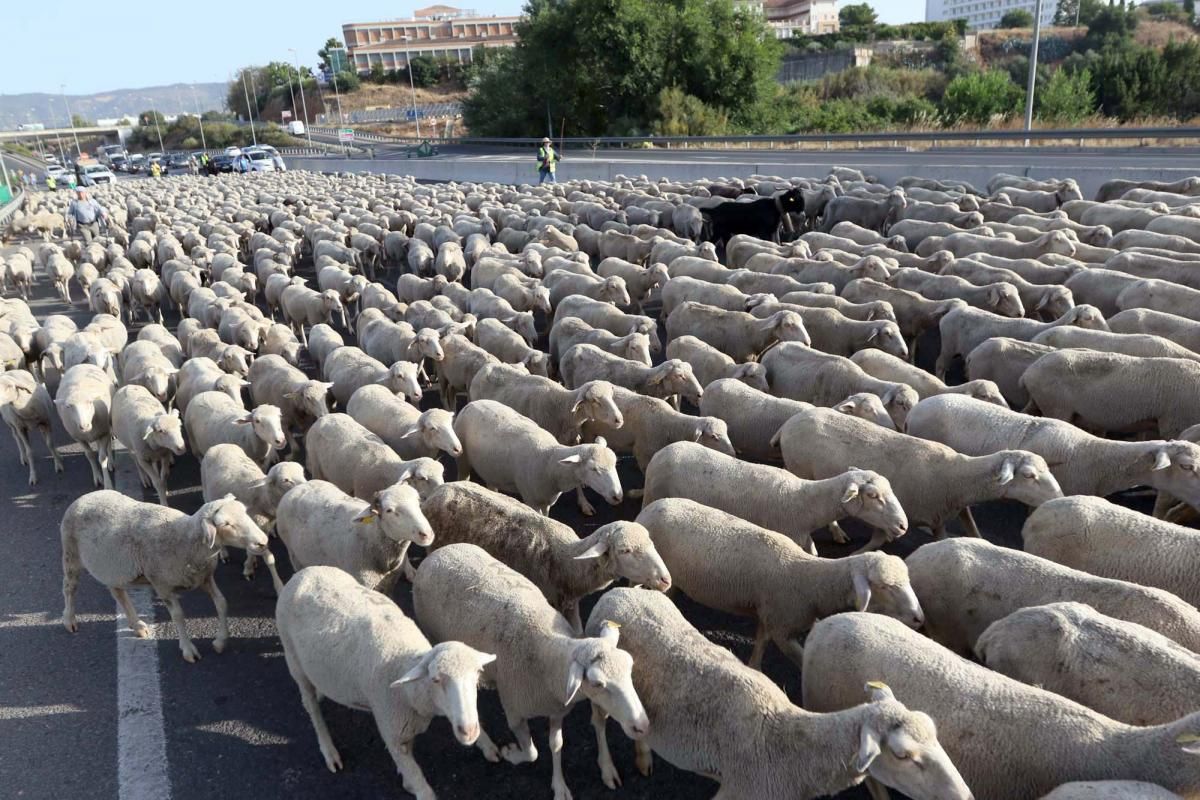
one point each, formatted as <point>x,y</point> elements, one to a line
<point>141,735</point>
<point>29,712</point>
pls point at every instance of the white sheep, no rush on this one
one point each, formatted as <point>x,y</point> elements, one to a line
<point>1035,740</point>
<point>215,418</point>
<point>1110,790</point>
<point>560,411</point>
<point>25,406</point>
<point>322,340</point>
<point>152,436</point>
<point>608,317</point>
<point>346,454</point>
<point>322,525</point>
<point>710,364</point>
<point>737,334</point>
<point>967,584</point>
<point>932,481</point>
<point>411,433</point>
<point>122,542</point>
<point>671,380</point>
<point>541,668</point>
<point>887,367</point>
<point>201,374</point>
<point>303,306</point>
<point>357,647</point>
<point>773,498</point>
<point>570,331</point>
<point>735,566</point>
<point>1095,536</point>
<point>563,566</point>
<point>1121,669</point>
<point>510,452</point>
<point>301,401</point>
<point>349,369</point>
<point>746,733</point>
<point>84,404</point>
<point>508,346</point>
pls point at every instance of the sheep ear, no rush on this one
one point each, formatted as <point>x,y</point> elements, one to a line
<point>574,681</point>
<point>289,395</point>
<point>418,671</point>
<point>595,551</point>
<point>611,632</point>
<point>149,432</point>
<point>874,333</point>
<point>600,441</point>
<point>868,749</point>
<point>878,691</point>
<point>413,431</point>
<point>1005,475</point>
<point>1162,460</point>
<point>1041,303</point>
<point>862,591</point>
<point>845,407</point>
<point>246,420</point>
<point>210,530</point>
<point>571,459</point>
<point>485,659</point>
<point>851,493</point>
<point>1189,743</point>
<point>369,514</point>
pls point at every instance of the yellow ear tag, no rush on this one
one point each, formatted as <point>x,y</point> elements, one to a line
<point>612,624</point>
<point>877,684</point>
<point>368,518</point>
<point>1187,738</point>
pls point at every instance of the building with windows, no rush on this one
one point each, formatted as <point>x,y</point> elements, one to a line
<point>788,18</point>
<point>434,32</point>
<point>983,14</point>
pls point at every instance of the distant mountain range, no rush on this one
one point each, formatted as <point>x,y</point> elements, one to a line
<point>17,109</point>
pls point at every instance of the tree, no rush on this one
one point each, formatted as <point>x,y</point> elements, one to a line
<point>324,56</point>
<point>377,74</point>
<point>683,115</point>
<point>981,97</point>
<point>1113,24</point>
<point>1189,6</point>
<point>600,66</point>
<point>81,122</point>
<point>1066,97</point>
<point>857,19</point>
<point>148,118</point>
<point>1068,10</point>
<point>1017,18</point>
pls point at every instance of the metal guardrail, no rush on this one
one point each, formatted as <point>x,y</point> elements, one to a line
<point>11,208</point>
<point>934,138</point>
<point>396,114</point>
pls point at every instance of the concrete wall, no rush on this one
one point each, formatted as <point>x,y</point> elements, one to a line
<point>704,166</point>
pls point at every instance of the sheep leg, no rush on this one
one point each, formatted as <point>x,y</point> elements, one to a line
<point>308,697</point>
<point>20,442</point>
<point>70,584</point>
<point>558,782</point>
<point>792,649</point>
<point>141,471</point>
<point>968,522</point>
<point>464,468</point>
<point>58,462</point>
<point>643,757</point>
<point>269,559</point>
<point>571,612</point>
<point>608,770</point>
<point>140,629</point>
<point>487,746</point>
<point>838,534</point>
<point>760,647</point>
<point>222,607</point>
<point>248,566</point>
<point>190,653</point>
<point>524,751</point>
<point>878,539</point>
<point>93,461</point>
<point>585,507</point>
<point>29,459</point>
<point>1181,514</point>
<point>410,772</point>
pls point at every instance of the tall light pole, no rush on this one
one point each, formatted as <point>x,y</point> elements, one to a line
<point>78,151</point>
<point>249,111</point>
<point>341,119</point>
<point>303,103</point>
<point>199,118</point>
<point>1033,59</point>
<point>411,84</point>
<point>161,147</point>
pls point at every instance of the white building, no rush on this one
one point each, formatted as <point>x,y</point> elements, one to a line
<point>982,14</point>
<point>788,18</point>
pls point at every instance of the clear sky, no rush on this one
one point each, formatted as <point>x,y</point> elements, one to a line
<point>92,46</point>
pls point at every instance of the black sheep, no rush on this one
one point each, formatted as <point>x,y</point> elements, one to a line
<point>759,218</point>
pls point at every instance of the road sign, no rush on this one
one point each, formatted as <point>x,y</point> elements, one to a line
<point>285,115</point>
<point>345,135</point>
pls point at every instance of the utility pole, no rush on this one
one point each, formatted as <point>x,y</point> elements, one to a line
<point>78,151</point>
<point>161,148</point>
<point>249,111</point>
<point>336,94</point>
<point>411,84</point>
<point>303,102</point>
<point>199,118</point>
<point>1033,59</point>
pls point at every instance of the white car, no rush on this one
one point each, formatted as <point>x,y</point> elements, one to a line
<point>260,160</point>
<point>233,152</point>
<point>278,159</point>
<point>94,174</point>
<point>55,171</point>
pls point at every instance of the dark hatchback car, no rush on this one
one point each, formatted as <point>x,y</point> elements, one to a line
<point>221,163</point>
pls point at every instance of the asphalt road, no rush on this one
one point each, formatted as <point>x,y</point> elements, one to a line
<point>101,715</point>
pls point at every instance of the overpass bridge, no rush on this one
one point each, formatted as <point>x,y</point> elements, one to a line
<point>114,131</point>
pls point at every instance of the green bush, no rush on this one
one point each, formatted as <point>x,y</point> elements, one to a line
<point>348,81</point>
<point>680,114</point>
<point>1017,18</point>
<point>982,97</point>
<point>1066,97</point>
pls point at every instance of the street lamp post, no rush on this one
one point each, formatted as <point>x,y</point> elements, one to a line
<point>249,111</point>
<point>1033,59</point>
<point>78,151</point>
<point>161,147</point>
<point>336,94</point>
<point>303,103</point>
<point>199,118</point>
<point>411,84</point>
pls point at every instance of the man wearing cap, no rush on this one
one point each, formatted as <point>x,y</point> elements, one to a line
<point>85,213</point>
<point>547,158</point>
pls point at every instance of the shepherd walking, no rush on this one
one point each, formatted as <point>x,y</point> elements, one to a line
<point>547,158</point>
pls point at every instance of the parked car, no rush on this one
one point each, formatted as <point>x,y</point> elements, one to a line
<point>221,163</point>
<point>137,163</point>
<point>278,159</point>
<point>118,163</point>
<point>233,152</point>
<point>177,161</point>
<point>50,158</point>
<point>55,171</point>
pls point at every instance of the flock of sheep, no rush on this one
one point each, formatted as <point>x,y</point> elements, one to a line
<point>1068,669</point>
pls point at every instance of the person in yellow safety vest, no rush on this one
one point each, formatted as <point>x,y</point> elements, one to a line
<point>547,158</point>
<point>51,184</point>
<point>155,170</point>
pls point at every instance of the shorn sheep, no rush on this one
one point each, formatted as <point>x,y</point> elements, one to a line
<point>746,734</point>
<point>122,542</point>
<point>1035,739</point>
